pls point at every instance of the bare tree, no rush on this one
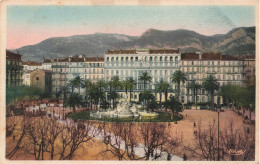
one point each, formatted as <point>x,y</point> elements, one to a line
<point>121,140</point>
<point>124,139</point>
<point>238,144</point>
<point>53,131</point>
<point>74,135</point>
<point>234,144</point>
<point>18,129</point>
<point>38,138</point>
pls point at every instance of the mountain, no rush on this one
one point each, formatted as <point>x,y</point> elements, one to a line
<point>239,41</point>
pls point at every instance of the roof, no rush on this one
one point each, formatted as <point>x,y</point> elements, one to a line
<point>149,51</point>
<point>44,70</point>
<point>32,63</point>
<point>13,56</point>
<point>91,59</point>
<point>207,56</point>
<point>121,51</point>
<point>75,59</point>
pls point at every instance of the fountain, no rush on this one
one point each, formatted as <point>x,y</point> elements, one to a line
<point>123,110</point>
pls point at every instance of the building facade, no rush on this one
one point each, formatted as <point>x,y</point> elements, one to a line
<point>197,66</point>
<point>14,69</point>
<point>66,69</point>
<point>41,78</point>
<point>159,63</point>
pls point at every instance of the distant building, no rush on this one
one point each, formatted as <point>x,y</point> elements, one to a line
<point>197,66</point>
<point>30,65</point>
<point>14,69</point>
<point>159,63</point>
<point>66,69</point>
<point>249,70</point>
<point>41,78</point>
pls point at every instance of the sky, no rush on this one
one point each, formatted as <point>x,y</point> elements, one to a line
<point>27,25</point>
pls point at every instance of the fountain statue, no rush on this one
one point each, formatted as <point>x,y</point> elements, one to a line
<point>123,110</point>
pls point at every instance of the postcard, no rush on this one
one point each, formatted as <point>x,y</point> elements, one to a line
<point>112,81</point>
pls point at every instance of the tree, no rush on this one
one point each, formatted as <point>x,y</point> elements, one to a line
<point>146,97</point>
<point>77,82</point>
<point>114,96</point>
<point>228,92</point>
<point>74,135</point>
<point>175,106</point>
<point>145,77</point>
<point>205,144</point>
<point>194,86</point>
<point>17,129</point>
<point>73,101</point>
<point>210,83</point>
<point>101,85</point>
<point>178,77</point>
<point>131,86</point>
<point>87,86</point>
<point>163,87</point>
<point>156,138</point>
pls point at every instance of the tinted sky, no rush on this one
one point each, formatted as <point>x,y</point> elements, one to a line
<point>31,24</point>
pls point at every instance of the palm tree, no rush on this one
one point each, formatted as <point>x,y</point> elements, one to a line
<point>194,87</point>
<point>87,86</point>
<point>159,89</point>
<point>101,85</point>
<point>73,101</point>
<point>113,95</point>
<point>178,77</point>
<point>175,107</point>
<point>131,86</point>
<point>147,97</point>
<point>77,82</point>
<point>116,83</point>
<point>163,87</point>
<point>210,83</point>
<point>126,85</point>
<point>145,77</point>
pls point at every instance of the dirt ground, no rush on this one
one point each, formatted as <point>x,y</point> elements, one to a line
<point>92,151</point>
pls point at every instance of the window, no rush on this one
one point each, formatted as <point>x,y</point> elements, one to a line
<point>224,77</point>
<point>160,58</point>
<point>136,58</point>
<point>151,58</point>
<point>176,60</point>
<point>171,59</point>
<point>218,62</point>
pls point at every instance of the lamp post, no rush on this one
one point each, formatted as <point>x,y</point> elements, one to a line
<point>218,137</point>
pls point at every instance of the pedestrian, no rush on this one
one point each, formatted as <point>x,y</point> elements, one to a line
<point>186,115</point>
<point>169,157</point>
<point>169,124</point>
<point>194,124</point>
<point>184,157</point>
<point>247,129</point>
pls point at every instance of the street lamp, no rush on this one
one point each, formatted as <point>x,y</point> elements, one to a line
<point>218,136</point>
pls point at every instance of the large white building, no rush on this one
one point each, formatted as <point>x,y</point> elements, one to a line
<point>159,63</point>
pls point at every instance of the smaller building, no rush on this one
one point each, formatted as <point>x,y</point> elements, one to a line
<point>41,78</point>
<point>26,78</point>
<point>14,69</point>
